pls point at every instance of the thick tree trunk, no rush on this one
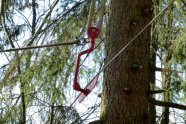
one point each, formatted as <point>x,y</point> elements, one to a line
<point>126,80</point>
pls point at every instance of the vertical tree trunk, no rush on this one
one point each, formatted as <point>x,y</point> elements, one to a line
<point>126,80</point>
<point>166,97</point>
<point>152,107</point>
<point>23,121</point>
<point>166,77</point>
<point>28,65</point>
<point>154,38</point>
<point>52,113</point>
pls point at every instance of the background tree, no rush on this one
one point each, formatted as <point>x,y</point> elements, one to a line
<point>165,44</point>
<point>41,69</point>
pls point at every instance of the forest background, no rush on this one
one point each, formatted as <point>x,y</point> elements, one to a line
<point>36,84</point>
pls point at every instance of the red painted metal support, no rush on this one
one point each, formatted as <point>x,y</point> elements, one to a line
<point>93,32</point>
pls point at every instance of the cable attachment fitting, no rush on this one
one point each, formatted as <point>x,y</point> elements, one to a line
<point>93,32</point>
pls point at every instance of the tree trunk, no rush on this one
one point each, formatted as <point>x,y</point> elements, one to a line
<point>152,107</point>
<point>23,108</point>
<point>126,80</point>
<point>52,113</point>
<point>166,77</point>
<point>154,39</point>
<point>166,96</point>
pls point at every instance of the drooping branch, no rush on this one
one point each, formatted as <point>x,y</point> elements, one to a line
<point>53,22</point>
<point>9,36</point>
<point>4,24</point>
<point>13,66</point>
<point>42,24</point>
<point>166,104</point>
<point>8,113</point>
<point>183,2</point>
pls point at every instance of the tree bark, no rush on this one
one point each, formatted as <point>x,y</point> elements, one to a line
<point>126,80</point>
<point>52,113</point>
<point>23,121</point>
<point>33,17</point>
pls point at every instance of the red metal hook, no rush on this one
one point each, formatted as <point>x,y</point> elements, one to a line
<point>93,32</point>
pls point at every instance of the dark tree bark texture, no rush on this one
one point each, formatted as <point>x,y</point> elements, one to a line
<point>126,79</point>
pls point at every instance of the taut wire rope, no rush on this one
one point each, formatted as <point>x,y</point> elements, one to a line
<point>42,46</point>
<point>136,36</point>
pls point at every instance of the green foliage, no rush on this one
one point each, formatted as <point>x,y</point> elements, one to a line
<point>45,73</point>
<point>169,41</point>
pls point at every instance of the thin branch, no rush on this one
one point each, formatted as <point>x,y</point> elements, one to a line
<point>165,70</point>
<point>157,91</point>
<point>40,100</point>
<point>3,66</point>
<point>65,14</point>
<point>7,57</point>
<point>166,104</point>
<point>9,39</point>
<point>67,110</point>
<point>53,22</point>
<point>14,106</point>
<point>183,2</point>
<point>6,30</point>
<point>42,24</point>
<point>94,109</point>
<point>26,20</point>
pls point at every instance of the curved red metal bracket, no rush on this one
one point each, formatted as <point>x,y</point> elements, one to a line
<point>93,32</point>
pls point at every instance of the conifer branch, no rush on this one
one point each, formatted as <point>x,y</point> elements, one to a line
<point>42,24</point>
<point>156,91</point>
<point>5,28</point>
<point>166,70</point>
<point>183,2</point>
<point>166,104</point>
